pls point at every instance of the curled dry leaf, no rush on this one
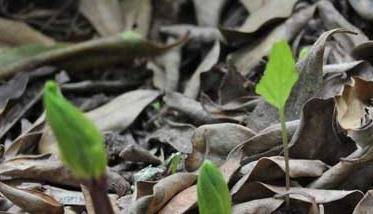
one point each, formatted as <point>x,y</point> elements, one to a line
<point>339,201</point>
<point>333,19</point>
<point>116,115</point>
<point>31,200</point>
<point>267,140</point>
<point>162,192</point>
<point>24,94</point>
<point>266,12</point>
<point>247,57</point>
<point>316,137</point>
<point>47,168</point>
<point>365,205</point>
<point>273,168</point>
<point>214,142</point>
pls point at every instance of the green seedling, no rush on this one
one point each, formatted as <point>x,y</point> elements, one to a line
<point>80,144</point>
<point>212,190</point>
<point>275,86</point>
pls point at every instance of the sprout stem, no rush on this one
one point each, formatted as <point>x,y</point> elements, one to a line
<point>98,194</point>
<point>286,152</point>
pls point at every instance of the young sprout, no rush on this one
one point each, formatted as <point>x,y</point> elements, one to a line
<point>275,86</point>
<point>80,144</point>
<point>212,190</point>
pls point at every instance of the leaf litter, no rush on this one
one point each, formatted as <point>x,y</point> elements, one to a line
<point>172,89</point>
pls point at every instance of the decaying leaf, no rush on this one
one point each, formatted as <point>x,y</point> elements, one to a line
<point>31,201</point>
<point>265,12</point>
<point>246,58</point>
<point>163,191</point>
<point>214,142</point>
<point>136,15</point>
<point>264,205</point>
<point>365,205</point>
<point>208,11</point>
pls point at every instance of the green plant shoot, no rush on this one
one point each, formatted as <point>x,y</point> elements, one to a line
<point>275,86</point>
<point>212,190</point>
<point>80,142</point>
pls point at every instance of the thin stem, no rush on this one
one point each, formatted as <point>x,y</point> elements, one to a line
<point>286,152</point>
<point>98,194</point>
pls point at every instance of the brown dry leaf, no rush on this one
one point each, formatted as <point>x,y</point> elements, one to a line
<point>265,13</point>
<point>316,137</point>
<point>27,140</point>
<point>105,15</point>
<point>365,206</point>
<point>177,135</point>
<point>214,142</point>
<point>246,58</point>
<point>208,11</point>
<point>334,201</point>
<point>273,168</point>
<point>310,79</point>
<point>352,102</point>
<point>24,94</point>
<point>192,88</point>
<point>116,115</point>
<point>332,19</point>
<point>136,15</point>
<point>162,192</point>
<point>267,140</point>
<point>259,206</point>
<point>15,33</point>
<point>47,168</point>
<point>31,200</point>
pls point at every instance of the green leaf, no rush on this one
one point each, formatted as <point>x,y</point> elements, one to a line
<point>279,77</point>
<point>212,190</point>
<point>80,142</point>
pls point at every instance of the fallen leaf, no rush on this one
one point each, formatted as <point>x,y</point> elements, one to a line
<point>31,200</point>
<point>214,142</point>
<point>365,205</point>
<point>162,192</point>
<point>247,57</point>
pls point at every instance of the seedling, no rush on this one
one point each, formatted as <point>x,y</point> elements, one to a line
<point>80,144</point>
<point>275,86</point>
<point>212,190</point>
